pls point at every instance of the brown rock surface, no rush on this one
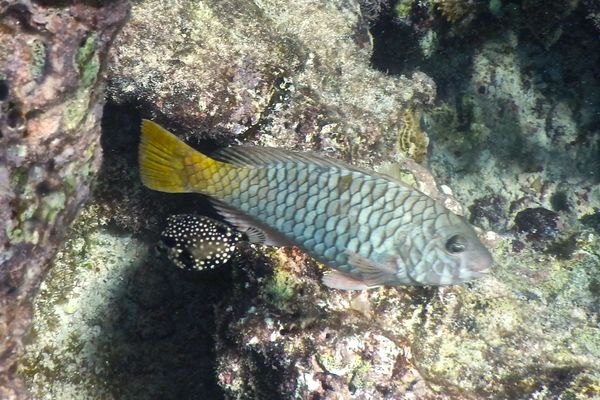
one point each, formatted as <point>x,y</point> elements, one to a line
<point>265,73</point>
<point>51,100</point>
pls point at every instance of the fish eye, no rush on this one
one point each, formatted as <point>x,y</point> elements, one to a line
<point>456,244</point>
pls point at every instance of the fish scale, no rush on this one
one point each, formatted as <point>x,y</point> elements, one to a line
<point>367,211</point>
<point>371,229</point>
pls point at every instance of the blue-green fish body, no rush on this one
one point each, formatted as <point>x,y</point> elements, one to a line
<point>371,229</point>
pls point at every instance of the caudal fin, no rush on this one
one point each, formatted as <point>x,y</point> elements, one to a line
<point>169,165</point>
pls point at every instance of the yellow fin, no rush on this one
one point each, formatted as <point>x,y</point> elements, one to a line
<point>167,164</point>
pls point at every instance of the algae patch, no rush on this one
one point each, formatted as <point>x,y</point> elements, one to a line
<point>38,57</point>
<point>87,63</point>
<point>280,288</point>
<point>412,140</point>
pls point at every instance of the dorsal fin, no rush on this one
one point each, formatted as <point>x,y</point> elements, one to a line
<point>265,156</point>
<point>252,156</point>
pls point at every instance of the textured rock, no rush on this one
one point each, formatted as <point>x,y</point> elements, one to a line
<point>276,73</point>
<point>114,321</point>
<point>297,82</point>
<point>51,96</point>
<point>528,331</point>
<point>488,212</point>
<point>538,224</point>
<point>513,134</point>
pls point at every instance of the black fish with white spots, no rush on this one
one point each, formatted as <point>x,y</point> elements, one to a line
<point>198,242</point>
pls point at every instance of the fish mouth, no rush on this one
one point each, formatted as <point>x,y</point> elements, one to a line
<point>473,273</point>
<point>480,265</point>
<point>481,262</point>
<point>479,273</point>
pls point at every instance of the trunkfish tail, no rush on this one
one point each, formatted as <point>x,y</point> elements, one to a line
<point>167,164</point>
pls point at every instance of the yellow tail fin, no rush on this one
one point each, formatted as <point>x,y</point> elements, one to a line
<point>169,165</point>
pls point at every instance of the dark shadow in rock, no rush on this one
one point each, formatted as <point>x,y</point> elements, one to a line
<point>568,72</point>
<point>161,319</point>
<point>396,48</point>
<point>396,51</point>
<point>564,72</point>
<point>161,326</point>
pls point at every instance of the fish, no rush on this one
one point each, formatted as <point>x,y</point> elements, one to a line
<point>196,242</point>
<point>371,229</point>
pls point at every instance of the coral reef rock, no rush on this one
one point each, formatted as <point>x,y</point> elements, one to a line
<point>285,74</point>
<point>527,332</point>
<point>111,319</point>
<point>51,99</point>
<point>514,133</point>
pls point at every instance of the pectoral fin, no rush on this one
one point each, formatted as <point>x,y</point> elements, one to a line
<point>254,230</point>
<point>372,273</point>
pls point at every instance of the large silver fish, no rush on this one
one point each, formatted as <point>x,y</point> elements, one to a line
<point>371,229</point>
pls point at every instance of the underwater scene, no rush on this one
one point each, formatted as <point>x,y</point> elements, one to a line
<point>318,199</point>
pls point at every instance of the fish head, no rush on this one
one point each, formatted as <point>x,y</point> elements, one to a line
<point>451,253</point>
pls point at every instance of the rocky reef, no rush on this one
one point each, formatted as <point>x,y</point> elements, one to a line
<point>51,100</point>
<point>503,118</point>
<point>265,73</point>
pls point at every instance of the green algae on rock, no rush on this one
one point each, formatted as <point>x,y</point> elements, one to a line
<point>39,80</point>
<point>247,70</point>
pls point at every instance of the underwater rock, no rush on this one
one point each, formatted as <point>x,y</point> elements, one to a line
<point>544,19</point>
<point>592,220</point>
<point>530,330</point>
<point>538,224</point>
<point>51,96</point>
<point>271,73</point>
<point>489,213</point>
<point>106,323</point>
<point>505,128</point>
<point>593,10</point>
<point>455,10</point>
<point>114,321</point>
<point>282,335</point>
<point>372,9</point>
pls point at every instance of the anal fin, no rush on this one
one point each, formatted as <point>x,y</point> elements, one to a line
<point>340,280</point>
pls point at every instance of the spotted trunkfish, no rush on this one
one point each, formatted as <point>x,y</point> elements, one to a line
<point>371,229</point>
<point>198,242</point>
